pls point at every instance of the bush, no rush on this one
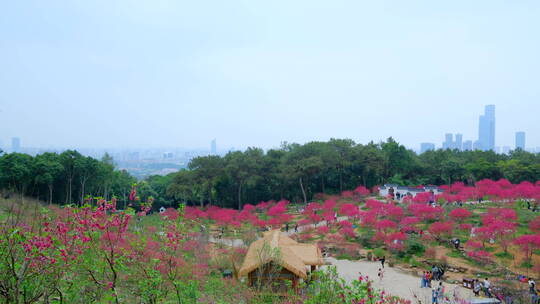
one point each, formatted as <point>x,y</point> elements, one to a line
<point>379,252</point>
<point>365,240</point>
<point>415,248</point>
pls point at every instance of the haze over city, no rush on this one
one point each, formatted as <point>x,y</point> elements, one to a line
<point>178,74</point>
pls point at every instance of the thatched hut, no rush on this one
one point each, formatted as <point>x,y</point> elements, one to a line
<point>276,258</point>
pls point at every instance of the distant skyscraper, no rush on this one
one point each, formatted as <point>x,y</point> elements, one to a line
<point>520,140</point>
<point>426,147</point>
<point>506,150</point>
<point>213,147</point>
<point>458,144</point>
<point>486,129</point>
<point>448,141</point>
<point>467,145</point>
<point>15,144</point>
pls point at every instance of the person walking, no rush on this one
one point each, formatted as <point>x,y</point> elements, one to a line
<point>534,297</point>
<point>434,295</point>
<point>476,288</point>
<point>423,280</point>
<point>382,259</point>
<point>296,227</point>
<point>487,286</point>
<point>435,271</point>
<point>532,291</point>
<point>380,274</point>
<point>440,293</point>
<point>286,227</point>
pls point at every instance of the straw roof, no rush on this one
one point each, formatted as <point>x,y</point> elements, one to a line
<point>291,255</point>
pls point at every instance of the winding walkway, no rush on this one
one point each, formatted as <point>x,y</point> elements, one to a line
<point>395,281</point>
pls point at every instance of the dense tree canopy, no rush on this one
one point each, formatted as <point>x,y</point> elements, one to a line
<point>298,172</point>
<point>293,171</point>
<point>66,178</point>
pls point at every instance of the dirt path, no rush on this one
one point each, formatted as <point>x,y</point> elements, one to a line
<point>394,282</point>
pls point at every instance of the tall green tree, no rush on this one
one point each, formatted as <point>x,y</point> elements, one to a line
<point>47,169</point>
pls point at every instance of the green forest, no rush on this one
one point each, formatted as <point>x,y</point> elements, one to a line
<point>295,172</point>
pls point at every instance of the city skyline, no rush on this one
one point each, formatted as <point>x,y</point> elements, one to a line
<point>486,137</point>
<point>485,141</point>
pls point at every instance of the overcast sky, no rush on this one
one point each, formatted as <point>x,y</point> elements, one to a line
<point>106,73</point>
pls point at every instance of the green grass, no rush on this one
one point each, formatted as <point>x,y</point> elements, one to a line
<point>526,264</point>
<point>344,256</point>
<point>504,255</point>
<point>414,263</point>
<point>454,254</point>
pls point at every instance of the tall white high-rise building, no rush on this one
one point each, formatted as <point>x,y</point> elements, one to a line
<point>486,129</point>
<point>15,144</point>
<point>458,144</point>
<point>213,147</point>
<point>520,140</point>
<point>448,141</point>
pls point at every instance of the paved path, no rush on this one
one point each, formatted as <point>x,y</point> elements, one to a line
<point>395,281</point>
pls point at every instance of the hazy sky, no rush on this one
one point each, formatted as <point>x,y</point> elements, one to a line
<point>106,73</point>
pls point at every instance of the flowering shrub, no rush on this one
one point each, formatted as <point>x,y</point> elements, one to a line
<point>99,255</point>
<point>460,214</point>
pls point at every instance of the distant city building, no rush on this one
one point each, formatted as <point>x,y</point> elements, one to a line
<point>168,155</point>
<point>506,149</point>
<point>486,129</point>
<point>467,145</point>
<point>426,147</point>
<point>477,145</point>
<point>132,156</point>
<point>213,147</point>
<point>448,141</point>
<point>520,140</point>
<point>15,144</point>
<point>458,144</point>
<point>497,150</point>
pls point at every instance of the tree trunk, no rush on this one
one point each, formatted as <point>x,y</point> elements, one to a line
<point>68,197</point>
<point>240,196</point>
<point>303,190</point>
<point>340,180</point>
<point>210,194</point>
<point>83,183</point>
<point>50,193</point>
